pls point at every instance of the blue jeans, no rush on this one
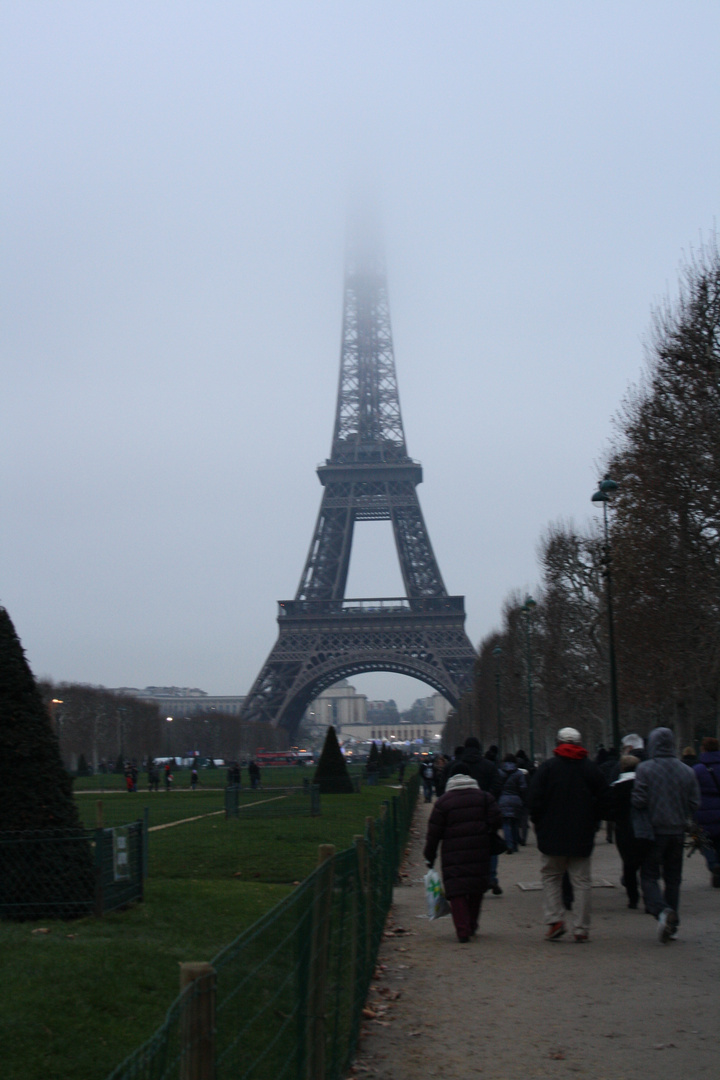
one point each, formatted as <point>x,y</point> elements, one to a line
<point>663,860</point>
<point>512,833</point>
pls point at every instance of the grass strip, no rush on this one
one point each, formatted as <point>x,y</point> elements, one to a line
<point>79,998</point>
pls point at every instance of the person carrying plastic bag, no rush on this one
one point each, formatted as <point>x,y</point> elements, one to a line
<point>464,819</point>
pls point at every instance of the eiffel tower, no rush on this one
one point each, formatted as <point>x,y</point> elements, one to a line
<point>324,636</point>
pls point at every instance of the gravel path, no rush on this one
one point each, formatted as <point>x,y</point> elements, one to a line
<point>509,1005</point>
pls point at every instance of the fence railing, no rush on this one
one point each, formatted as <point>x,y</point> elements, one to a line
<point>285,999</point>
<point>67,873</point>
<point>275,802</point>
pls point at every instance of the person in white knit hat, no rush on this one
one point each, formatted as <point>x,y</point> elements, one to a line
<point>568,798</point>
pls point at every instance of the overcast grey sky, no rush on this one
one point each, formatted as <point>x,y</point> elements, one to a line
<point>174,191</point>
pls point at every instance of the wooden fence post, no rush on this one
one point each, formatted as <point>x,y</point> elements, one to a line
<point>197,1024</point>
<point>322,903</point>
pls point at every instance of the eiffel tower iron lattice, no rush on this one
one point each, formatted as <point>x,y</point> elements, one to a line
<point>323,636</point>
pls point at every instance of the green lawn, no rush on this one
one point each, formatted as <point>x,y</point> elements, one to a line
<point>78,999</point>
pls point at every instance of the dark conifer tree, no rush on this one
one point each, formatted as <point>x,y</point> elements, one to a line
<point>35,795</point>
<point>331,772</point>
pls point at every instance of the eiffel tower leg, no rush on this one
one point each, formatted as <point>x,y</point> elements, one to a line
<point>420,571</point>
<point>328,561</point>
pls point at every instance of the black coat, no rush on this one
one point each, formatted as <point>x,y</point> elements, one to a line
<point>568,798</point>
<point>472,763</point>
<point>463,819</point>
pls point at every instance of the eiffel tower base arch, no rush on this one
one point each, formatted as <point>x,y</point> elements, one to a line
<point>322,642</point>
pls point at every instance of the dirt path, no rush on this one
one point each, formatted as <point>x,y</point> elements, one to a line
<point>510,1005</point>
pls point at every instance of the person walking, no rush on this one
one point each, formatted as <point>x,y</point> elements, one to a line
<point>630,848</point>
<point>707,772</point>
<point>428,775</point>
<point>568,798</point>
<point>513,797</point>
<point>463,820</point>
<point>668,792</point>
<point>472,763</point>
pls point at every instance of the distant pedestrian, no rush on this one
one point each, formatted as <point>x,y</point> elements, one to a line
<point>194,779</point>
<point>668,791</point>
<point>568,798</point>
<point>427,774</point>
<point>153,777</point>
<point>462,820</point>
<point>511,801</point>
<point>472,763</point>
<point>707,772</point>
<point>439,774</point>
<point>689,757</point>
<point>254,774</point>
<point>167,775</point>
<point>631,848</point>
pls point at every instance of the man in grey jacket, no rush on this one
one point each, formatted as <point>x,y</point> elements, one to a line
<point>668,792</point>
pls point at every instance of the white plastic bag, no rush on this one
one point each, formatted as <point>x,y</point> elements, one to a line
<point>435,896</point>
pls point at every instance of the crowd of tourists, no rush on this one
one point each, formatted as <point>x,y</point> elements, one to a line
<point>649,799</point>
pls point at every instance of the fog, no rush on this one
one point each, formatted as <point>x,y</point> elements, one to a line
<point>176,183</point>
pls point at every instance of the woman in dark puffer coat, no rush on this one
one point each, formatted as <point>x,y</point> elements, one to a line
<point>463,819</point>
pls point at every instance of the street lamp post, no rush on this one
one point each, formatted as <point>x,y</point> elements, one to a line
<point>602,495</point>
<point>121,711</point>
<point>55,720</point>
<point>497,653</point>
<point>168,721</point>
<point>528,607</point>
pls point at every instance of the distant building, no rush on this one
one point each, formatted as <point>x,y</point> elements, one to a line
<point>357,720</point>
<point>182,701</point>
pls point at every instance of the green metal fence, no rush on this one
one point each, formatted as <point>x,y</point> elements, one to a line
<point>285,999</point>
<point>67,873</point>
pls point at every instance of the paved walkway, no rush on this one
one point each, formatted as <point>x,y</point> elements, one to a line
<point>510,1005</point>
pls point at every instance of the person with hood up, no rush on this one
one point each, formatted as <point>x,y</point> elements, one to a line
<point>463,820</point>
<point>568,798</point>
<point>668,792</point>
<point>707,772</point>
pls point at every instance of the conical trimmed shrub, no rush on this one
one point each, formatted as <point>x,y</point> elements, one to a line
<point>35,796</point>
<point>331,772</point>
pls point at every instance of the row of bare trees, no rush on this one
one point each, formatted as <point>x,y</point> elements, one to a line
<point>663,557</point>
<point>104,729</point>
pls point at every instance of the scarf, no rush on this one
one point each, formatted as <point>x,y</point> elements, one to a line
<point>570,750</point>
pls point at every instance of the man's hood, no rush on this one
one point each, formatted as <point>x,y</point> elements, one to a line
<point>661,743</point>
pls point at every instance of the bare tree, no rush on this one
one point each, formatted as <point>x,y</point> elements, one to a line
<point>666,520</point>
